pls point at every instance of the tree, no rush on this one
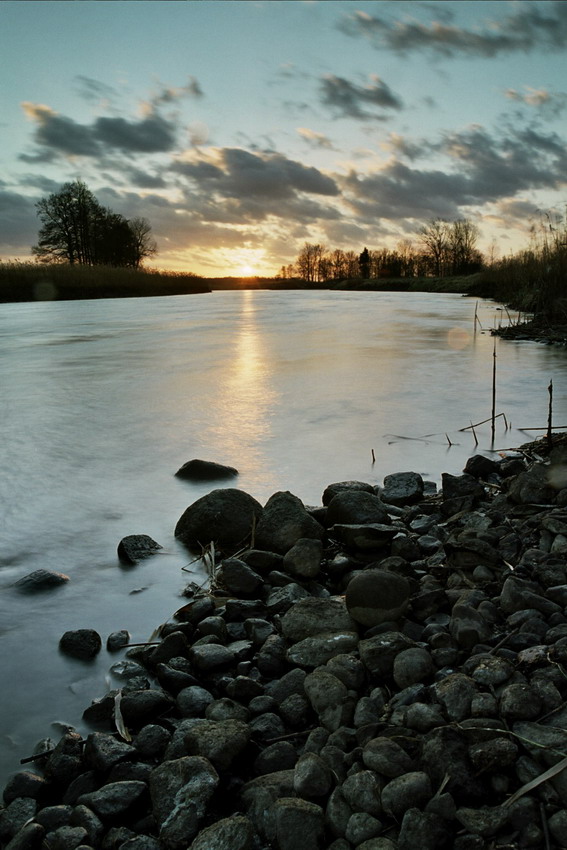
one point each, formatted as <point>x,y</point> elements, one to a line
<point>364,264</point>
<point>77,229</point>
<point>434,237</point>
<point>464,257</point>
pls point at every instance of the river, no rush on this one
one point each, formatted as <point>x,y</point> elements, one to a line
<point>102,401</point>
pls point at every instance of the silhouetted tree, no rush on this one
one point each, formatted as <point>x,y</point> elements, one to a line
<point>77,229</point>
<point>364,263</point>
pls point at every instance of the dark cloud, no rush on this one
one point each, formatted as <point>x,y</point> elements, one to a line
<point>531,26</point>
<point>549,103</point>
<point>171,94</point>
<point>18,222</point>
<point>92,90</point>
<point>56,133</point>
<point>315,139</point>
<point>349,99</point>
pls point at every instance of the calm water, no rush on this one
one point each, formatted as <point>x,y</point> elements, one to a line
<point>102,401</point>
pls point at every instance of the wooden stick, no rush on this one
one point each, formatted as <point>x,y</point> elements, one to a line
<point>484,421</point>
<point>474,435</point>
<point>373,456</point>
<point>448,440</point>
<point>550,415</point>
<point>493,417</point>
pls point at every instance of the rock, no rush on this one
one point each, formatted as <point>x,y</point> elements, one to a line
<point>377,596</point>
<point>193,701</point>
<point>116,801</point>
<point>26,783</point>
<point>233,833</point>
<point>411,666</point>
<point>205,470</point>
<point>278,756</point>
<point>218,741</point>
<point>532,486</point>
<point>180,791</point>
<point>313,651</point>
<point>329,699</point>
<point>378,653</point>
<point>386,757</point>
<point>223,516</point>
<point>402,488</point>
<point>349,486</point>
<point>311,616</point>
<point>484,821</point>
<point>294,823</point>
<point>40,580</point>
<point>362,793</point>
<point>351,506</point>
<point>370,537</point>
<point>117,640</point>
<point>81,643</point>
<point>455,693</point>
<point>15,815</point>
<point>361,827</point>
<point>29,837</point>
<point>258,795</point>
<point>312,776</point>
<point>136,547</point>
<point>238,578</point>
<point>480,466</point>
<point>406,790</point>
<point>102,751</point>
<point>424,830</point>
<point>304,558</point>
<point>283,522</point>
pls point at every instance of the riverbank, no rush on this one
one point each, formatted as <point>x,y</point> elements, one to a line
<point>383,671</point>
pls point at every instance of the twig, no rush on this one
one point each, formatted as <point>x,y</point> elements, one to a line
<point>373,456</point>
<point>448,440</point>
<point>474,435</point>
<point>549,415</point>
<point>484,421</point>
<point>493,417</point>
<point>303,732</point>
<point>545,826</point>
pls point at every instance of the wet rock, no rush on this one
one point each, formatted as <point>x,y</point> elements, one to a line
<point>293,822</point>
<point>238,578</point>
<point>26,783</point>
<point>370,537</point>
<point>40,580</point>
<point>411,666</point>
<point>313,651</point>
<point>312,776</point>
<point>480,466</point>
<point>233,833</point>
<point>354,507</point>
<point>424,830</point>
<point>402,488</point>
<point>15,815</point>
<point>349,486</point>
<point>310,616</point>
<point>205,470</point>
<point>284,521</point>
<point>406,790</point>
<point>223,516</point>
<point>362,793</point>
<point>484,821</point>
<point>386,757</point>
<point>279,756</point>
<point>304,558</point>
<point>377,596</point>
<point>136,547</point>
<point>378,653</point>
<point>81,643</point>
<point>180,791</point>
<point>361,826</point>
<point>103,751</point>
<point>29,837</point>
<point>329,698</point>
<point>116,801</point>
<point>218,741</point>
<point>117,640</point>
<point>532,486</point>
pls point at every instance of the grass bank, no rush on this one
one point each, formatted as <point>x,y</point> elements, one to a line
<point>63,282</point>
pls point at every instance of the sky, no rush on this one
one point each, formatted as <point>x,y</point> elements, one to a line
<point>242,129</point>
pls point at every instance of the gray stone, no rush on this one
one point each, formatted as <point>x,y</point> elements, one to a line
<point>66,838</point>
<point>238,578</point>
<point>348,668</point>
<point>402,488</point>
<point>467,626</point>
<point>377,596</point>
<point>281,599</point>
<point>520,702</point>
<point>226,709</point>
<point>218,741</point>
<point>266,726</point>
<point>386,757</point>
<point>378,653</point>
<point>362,792</point>
<point>25,783</point>
<point>193,701</point>
<point>337,813</point>
<point>232,833</point>
<point>15,815</point>
<point>180,791</point>
<point>349,486</point>
<point>312,776</point>
<point>492,670</point>
<point>258,794</point>
<point>225,516</point>
<point>361,826</point>
<point>313,651</point>
<point>455,693</point>
<point>369,537</point>
<point>484,821</point>
<point>304,558</point>
<point>40,580</point>
<point>29,837</point>
<point>558,827</point>
<point>278,756</point>
<point>115,800</point>
<point>85,817</point>
<point>533,486</point>
<point>136,547</point>
<point>205,470</point>
<point>293,823</point>
<point>117,640</point>
<point>412,789</point>
<point>103,751</point>
<point>311,616</point>
<point>356,507</point>
<point>328,697</point>
<point>285,521</point>
<point>210,656</point>
<point>81,643</point>
<point>411,666</point>
<point>424,830</point>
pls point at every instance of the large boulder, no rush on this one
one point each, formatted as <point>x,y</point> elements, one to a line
<point>136,547</point>
<point>402,488</point>
<point>180,791</point>
<point>345,486</point>
<point>283,522</point>
<point>377,596</point>
<point>226,517</point>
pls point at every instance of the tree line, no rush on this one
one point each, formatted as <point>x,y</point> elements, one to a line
<point>444,248</point>
<point>76,228</point>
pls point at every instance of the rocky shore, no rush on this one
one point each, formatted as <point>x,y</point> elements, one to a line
<point>536,330</point>
<point>387,671</point>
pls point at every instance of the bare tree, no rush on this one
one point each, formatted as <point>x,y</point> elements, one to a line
<point>144,244</point>
<point>435,239</point>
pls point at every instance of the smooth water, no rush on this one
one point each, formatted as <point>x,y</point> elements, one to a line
<point>102,401</point>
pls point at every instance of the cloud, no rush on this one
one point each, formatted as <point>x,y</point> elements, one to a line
<point>18,222</point>
<point>172,94</point>
<point>552,103</point>
<point>314,139</point>
<point>531,26</point>
<point>349,98</point>
<point>92,90</point>
<point>56,133</point>
<point>237,173</point>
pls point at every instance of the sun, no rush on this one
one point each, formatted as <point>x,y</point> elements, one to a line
<point>247,270</point>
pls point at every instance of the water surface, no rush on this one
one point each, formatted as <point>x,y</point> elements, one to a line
<point>102,401</point>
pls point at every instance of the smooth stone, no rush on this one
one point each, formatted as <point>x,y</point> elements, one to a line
<point>314,651</point>
<point>232,833</point>
<point>402,488</point>
<point>377,596</point>
<point>81,643</point>
<point>205,470</point>
<point>180,791</point>
<point>136,547</point>
<point>40,580</point>
<point>311,616</point>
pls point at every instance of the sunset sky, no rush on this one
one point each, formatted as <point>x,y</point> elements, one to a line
<point>243,129</point>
